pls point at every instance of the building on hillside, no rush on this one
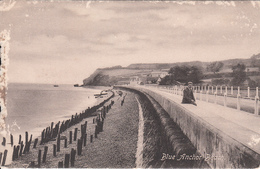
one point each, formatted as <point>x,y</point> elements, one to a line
<point>159,80</point>
<point>123,82</point>
<point>135,80</point>
<point>143,74</point>
<point>159,74</point>
<point>163,74</point>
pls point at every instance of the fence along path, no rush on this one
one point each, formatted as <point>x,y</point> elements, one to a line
<point>215,129</point>
<point>241,126</point>
<point>246,99</point>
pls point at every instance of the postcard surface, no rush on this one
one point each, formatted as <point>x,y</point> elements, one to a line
<point>129,84</point>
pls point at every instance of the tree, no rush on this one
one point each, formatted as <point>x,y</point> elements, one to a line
<point>180,74</point>
<point>215,67</point>
<point>195,74</point>
<point>168,80</point>
<point>239,74</point>
<point>183,74</point>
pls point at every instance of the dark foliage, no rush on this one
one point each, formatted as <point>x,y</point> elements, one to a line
<point>182,74</point>
<point>215,67</point>
<point>100,80</point>
<point>195,75</point>
<point>168,80</point>
<point>255,60</point>
<point>220,81</point>
<point>239,74</point>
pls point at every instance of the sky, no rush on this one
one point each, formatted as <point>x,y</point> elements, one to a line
<point>66,41</point>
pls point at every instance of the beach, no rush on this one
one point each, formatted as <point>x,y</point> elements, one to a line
<point>32,107</point>
<point>115,146</point>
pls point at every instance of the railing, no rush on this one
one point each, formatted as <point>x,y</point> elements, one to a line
<point>245,99</point>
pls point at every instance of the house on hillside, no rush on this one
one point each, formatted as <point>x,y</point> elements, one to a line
<point>122,82</point>
<point>159,74</point>
<point>159,80</point>
<point>135,80</point>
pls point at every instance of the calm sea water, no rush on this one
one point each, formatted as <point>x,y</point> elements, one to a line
<point>32,107</point>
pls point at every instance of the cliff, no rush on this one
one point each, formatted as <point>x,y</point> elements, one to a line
<point>108,76</point>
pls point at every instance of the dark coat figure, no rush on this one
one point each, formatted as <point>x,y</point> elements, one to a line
<point>188,96</point>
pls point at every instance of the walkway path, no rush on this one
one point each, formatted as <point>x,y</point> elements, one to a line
<point>241,126</point>
<point>246,104</point>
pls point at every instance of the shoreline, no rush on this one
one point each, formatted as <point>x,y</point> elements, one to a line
<point>15,138</point>
<point>56,109</point>
<point>135,133</point>
<point>119,135</point>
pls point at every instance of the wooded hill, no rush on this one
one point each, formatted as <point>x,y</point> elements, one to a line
<point>118,74</point>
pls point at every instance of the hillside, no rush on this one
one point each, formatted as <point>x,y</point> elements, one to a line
<point>166,65</point>
<point>106,77</point>
<point>118,74</point>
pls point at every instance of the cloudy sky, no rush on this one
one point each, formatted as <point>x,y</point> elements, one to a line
<point>64,42</point>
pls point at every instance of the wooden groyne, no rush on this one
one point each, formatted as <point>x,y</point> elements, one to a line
<point>53,132</point>
<point>49,133</point>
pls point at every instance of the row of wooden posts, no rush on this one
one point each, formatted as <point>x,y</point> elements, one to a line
<point>18,150</point>
<point>48,134</point>
<point>70,158</point>
<point>82,141</point>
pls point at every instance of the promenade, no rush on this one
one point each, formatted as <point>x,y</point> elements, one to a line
<point>245,100</point>
<point>240,125</point>
<point>240,128</point>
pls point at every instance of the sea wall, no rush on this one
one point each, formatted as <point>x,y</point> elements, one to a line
<point>218,149</point>
<point>164,142</point>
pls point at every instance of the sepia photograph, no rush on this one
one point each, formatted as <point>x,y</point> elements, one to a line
<point>129,84</point>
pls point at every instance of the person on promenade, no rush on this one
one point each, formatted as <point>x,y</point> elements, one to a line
<point>188,96</point>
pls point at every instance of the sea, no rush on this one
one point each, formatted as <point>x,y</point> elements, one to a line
<point>32,107</point>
